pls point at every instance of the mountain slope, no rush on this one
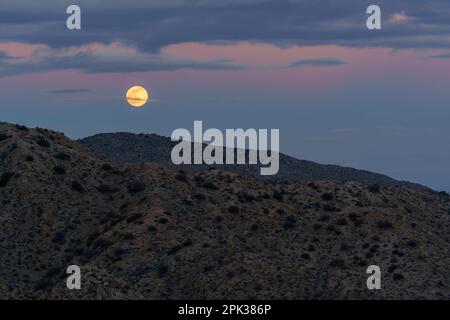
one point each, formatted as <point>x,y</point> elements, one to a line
<point>146,231</point>
<point>124,148</point>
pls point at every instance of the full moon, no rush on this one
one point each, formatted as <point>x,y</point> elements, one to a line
<point>137,96</point>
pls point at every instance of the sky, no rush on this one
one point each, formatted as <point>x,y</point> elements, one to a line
<point>376,100</point>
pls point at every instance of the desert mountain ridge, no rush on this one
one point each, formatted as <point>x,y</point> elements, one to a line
<point>149,231</point>
<point>123,147</point>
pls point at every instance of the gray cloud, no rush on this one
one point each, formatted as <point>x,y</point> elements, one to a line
<point>120,62</point>
<point>155,24</point>
<point>152,25</point>
<point>68,91</point>
<point>439,56</point>
<point>320,62</point>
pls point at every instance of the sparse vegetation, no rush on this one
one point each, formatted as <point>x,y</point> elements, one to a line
<point>4,178</point>
<point>374,188</point>
<point>77,186</point>
<point>59,169</point>
<point>135,186</point>
<point>43,142</point>
<point>62,156</point>
<point>327,196</point>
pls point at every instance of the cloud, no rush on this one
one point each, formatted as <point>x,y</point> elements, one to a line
<point>113,58</point>
<point>439,56</point>
<point>152,25</point>
<point>68,91</point>
<point>319,62</point>
<point>399,17</point>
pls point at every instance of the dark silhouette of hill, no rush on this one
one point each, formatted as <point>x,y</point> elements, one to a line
<point>130,148</point>
<point>150,232</point>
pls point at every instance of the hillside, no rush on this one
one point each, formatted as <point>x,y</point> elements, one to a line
<point>146,231</point>
<point>122,148</point>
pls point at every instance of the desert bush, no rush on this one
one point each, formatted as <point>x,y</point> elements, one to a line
<point>3,136</point>
<point>339,263</point>
<point>412,243</point>
<point>163,221</point>
<point>210,185</point>
<point>233,209</point>
<point>384,225</point>
<point>289,222</point>
<point>135,186</point>
<point>4,178</point>
<point>341,222</point>
<point>104,188</point>
<point>134,217</point>
<point>327,196</point>
<point>77,186</point>
<point>106,167</point>
<point>43,142</point>
<point>62,156</point>
<point>162,268</point>
<point>59,237</point>
<point>277,196</point>
<point>181,176</point>
<point>398,277</point>
<point>22,128</point>
<point>374,188</point>
<point>29,158</point>
<point>59,169</point>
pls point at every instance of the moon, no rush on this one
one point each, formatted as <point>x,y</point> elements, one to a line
<point>137,96</point>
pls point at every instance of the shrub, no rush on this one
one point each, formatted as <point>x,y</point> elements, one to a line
<point>59,237</point>
<point>306,256</point>
<point>374,188</point>
<point>62,156</point>
<point>3,136</point>
<point>392,268</point>
<point>339,263</point>
<point>22,128</point>
<point>384,225</point>
<point>278,196</point>
<point>106,167</point>
<point>135,186</point>
<point>4,178</point>
<point>43,142</point>
<point>199,196</point>
<point>162,268</point>
<point>341,222</point>
<point>104,188</point>
<point>77,186</point>
<point>29,158</point>
<point>327,196</point>
<point>329,208</point>
<point>233,209</point>
<point>134,217</point>
<point>412,243</point>
<point>398,277</point>
<point>289,222</point>
<point>163,221</point>
<point>210,185</point>
<point>317,226</point>
<point>128,236</point>
<point>59,169</point>
<point>181,176</point>
<point>174,249</point>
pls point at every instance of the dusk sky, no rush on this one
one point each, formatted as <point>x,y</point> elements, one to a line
<point>377,100</point>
